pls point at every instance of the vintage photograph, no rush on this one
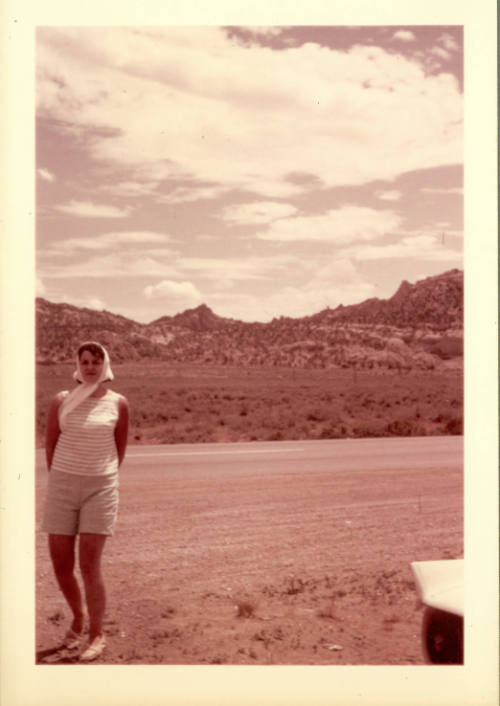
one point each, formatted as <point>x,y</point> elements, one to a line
<point>249,345</point>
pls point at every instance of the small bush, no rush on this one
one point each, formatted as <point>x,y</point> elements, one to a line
<point>369,430</point>
<point>331,433</point>
<point>455,426</point>
<point>245,609</point>
<point>400,427</point>
<point>327,613</point>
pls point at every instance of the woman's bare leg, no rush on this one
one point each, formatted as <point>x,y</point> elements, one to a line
<point>62,553</point>
<point>91,547</point>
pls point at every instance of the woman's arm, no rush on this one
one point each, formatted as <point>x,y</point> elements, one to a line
<point>121,429</point>
<point>53,430</point>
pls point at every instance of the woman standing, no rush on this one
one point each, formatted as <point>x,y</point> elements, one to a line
<point>86,439</point>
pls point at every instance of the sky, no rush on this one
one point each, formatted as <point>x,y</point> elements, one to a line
<point>264,171</point>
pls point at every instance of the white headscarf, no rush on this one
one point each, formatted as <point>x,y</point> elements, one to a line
<point>85,389</point>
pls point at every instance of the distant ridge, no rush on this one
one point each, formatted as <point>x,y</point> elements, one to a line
<point>435,301</point>
<point>420,326</point>
<point>200,319</point>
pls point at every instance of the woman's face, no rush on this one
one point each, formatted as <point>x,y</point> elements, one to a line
<point>91,366</point>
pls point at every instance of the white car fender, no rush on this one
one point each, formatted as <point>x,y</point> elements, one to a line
<point>440,584</point>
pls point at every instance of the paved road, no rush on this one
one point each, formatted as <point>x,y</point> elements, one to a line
<point>420,453</point>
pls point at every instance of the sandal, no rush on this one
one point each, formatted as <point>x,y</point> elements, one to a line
<point>72,639</point>
<point>94,649</point>
<point>59,656</point>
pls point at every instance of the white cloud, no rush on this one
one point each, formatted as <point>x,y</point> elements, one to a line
<point>294,286</point>
<point>117,265</point>
<point>267,187</point>
<point>339,226</point>
<point>266,31</point>
<point>247,116</point>
<point>435,190</point>
<point>272,187</point>
<point>430,247</point>
<point>58,296</point>
<point>86,209</point>
<point>390,195</point>
<point>95,303</point>
<point>186,194</point>
<point>108,241</point>
<point>257,212</point>
<point>136,236</point>
<point>441,53</point>
<point>404,35</point>
<point>46,175</point>
<point>241,306</point>
<point>180,292</point>
<point>335,283</point>
<point>448,42</point>
<point>152,262</point>
<point>126,189</point>
<point>227,270</point>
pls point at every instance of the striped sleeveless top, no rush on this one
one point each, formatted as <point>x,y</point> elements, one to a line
<point>87,445</point>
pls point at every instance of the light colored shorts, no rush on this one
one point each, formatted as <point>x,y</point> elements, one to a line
<point>76,504</point>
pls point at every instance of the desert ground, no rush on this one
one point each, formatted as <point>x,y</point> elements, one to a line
<point>244,554</point>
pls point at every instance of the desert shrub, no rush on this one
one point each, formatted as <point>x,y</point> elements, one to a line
<point>454,426</point>
<point>245,609</point>
<point>369,430</point>
<point>316,415</point>
<point>294,585</point>
<point>328,612</point>
<point>276,435</point>
<point>448,347</point>
<point>332,432</point>
<point>400,427</point>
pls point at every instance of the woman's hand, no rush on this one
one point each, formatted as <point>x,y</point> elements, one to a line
<point>121,429</point>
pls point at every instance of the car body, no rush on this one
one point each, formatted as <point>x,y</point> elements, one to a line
<point>440,587</point>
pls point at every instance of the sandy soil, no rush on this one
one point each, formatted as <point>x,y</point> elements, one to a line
<point>226,569</point>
